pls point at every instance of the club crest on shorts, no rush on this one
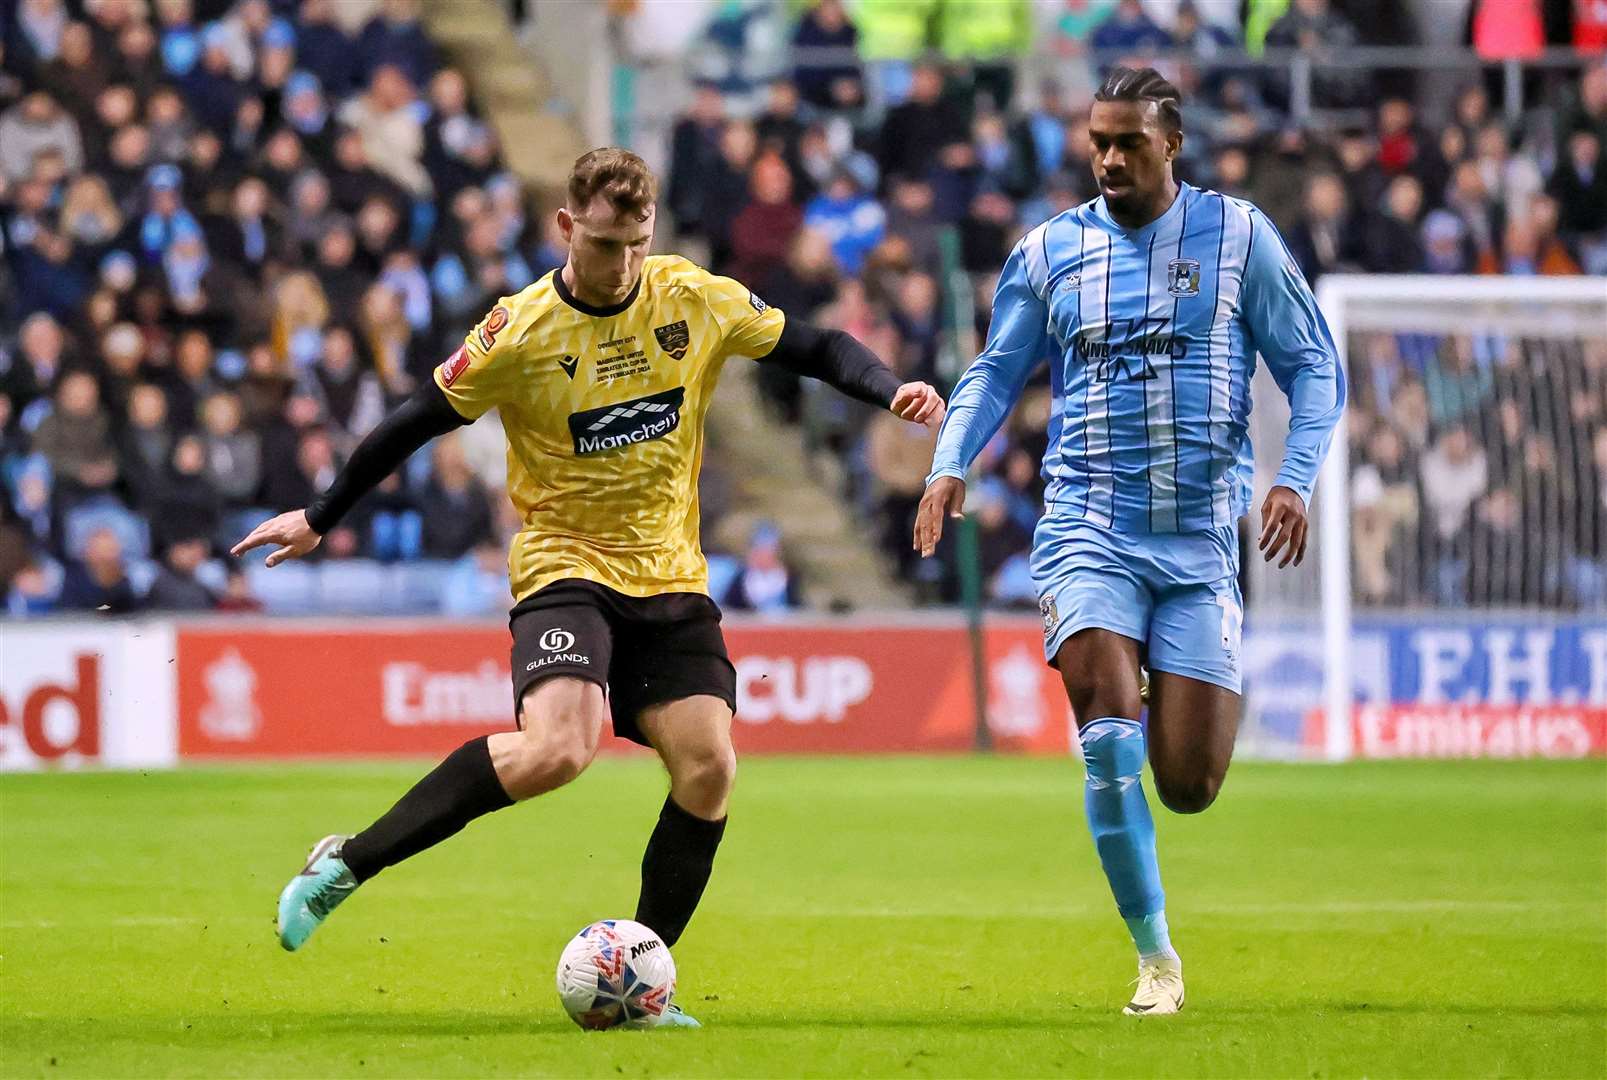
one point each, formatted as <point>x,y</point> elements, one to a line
<point>1051,617</point>
<point>1183,277</point>
<point>758,305</point>
<point>674,338</point>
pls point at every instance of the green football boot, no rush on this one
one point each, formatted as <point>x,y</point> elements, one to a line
<point>312,894</point>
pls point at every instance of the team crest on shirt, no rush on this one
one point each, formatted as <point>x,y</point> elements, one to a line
<point>1051,617</point>
<point>492,326</point>
<point>1070,283</point>
<point>758,305</point>
<point>674,338</point>
<point>1183,277</point>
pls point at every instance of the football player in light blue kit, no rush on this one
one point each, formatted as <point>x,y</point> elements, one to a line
<point>1150,304</point>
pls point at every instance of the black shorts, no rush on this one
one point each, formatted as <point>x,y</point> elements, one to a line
<point>643,650</point>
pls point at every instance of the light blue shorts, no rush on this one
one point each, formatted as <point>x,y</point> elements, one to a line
<point>1175,593</point>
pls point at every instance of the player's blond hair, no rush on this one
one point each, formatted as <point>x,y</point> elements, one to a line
<point>617,175</point>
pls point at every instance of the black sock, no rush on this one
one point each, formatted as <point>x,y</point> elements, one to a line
<point>675,868</point>
<point>460,789</point>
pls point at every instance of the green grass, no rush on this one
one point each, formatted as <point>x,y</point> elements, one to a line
<point>888,917</point>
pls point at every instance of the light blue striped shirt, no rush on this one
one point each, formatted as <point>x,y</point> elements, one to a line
<point>1151,336</point>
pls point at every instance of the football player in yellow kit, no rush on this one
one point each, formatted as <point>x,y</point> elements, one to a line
<point>602,372</point>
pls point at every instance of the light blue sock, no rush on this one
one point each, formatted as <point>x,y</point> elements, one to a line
<point>1124,832</point>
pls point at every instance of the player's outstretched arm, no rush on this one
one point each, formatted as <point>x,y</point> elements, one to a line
<point>422,417</point>
<point>837,359</point>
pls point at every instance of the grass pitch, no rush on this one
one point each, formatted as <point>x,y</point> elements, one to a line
<point>887,917</point>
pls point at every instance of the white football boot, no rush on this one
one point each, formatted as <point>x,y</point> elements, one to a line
<point>1160,988</point>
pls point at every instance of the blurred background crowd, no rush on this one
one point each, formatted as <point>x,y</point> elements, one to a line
<point>235,232</point>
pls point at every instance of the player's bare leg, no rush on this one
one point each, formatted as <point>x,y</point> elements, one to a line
<point>561,721</point>
<point>693,737</point>
<point>1192,726</point>
<point>1100,669</point>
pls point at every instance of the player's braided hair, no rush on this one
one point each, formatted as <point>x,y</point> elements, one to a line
<point>1144,84</point>
<point>618,176</point>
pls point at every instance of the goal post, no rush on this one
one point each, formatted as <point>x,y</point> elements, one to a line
<point>1497,375</point>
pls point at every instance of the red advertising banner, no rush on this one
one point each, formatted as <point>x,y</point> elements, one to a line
<point>294,691</point>
<point>1448,730</point>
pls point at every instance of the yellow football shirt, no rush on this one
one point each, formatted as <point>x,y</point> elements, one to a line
<point>603,409</point>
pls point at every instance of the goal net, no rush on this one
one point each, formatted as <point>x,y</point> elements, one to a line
<point>1454,602</point>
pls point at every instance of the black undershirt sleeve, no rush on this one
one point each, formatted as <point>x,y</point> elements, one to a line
<point>422,417</point>
<point>836,359</point>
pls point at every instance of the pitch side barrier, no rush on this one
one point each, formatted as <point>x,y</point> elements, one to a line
<point>155,692</point>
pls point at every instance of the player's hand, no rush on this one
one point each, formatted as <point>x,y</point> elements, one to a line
<point>919,403</point>
<point>944,498</point>
<point>1283,527</point>
<point>289,530</point>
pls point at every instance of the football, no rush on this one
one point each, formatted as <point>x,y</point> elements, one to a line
<point>616,973</point>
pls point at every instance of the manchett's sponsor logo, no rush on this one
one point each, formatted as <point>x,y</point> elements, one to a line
<point>627,423</point>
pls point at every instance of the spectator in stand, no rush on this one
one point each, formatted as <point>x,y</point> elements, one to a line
<point>695,158</point>
<point>461,517</point>
<point>848,214</point>
<point>233,454</point>
<point>176,587</point>
<point>892,36</point>
<point>349,397</point>
<point>826,81</point>
<point>1324,240</point>
<point>395,37</point>
<point>76,440</point>
<point>1313,26</point>
<point>1392,244</point>
<point>1446,249</point>
<point>305,110</point>
<point>1470,201</point>
<point>211,89</point>
<point>1579,185</point>
<point>1454,473</point>
<point>145,444</point>
<point>99,581</point>
<point>73,78</point>
<point>35,125</point>
<point>916,132</point>
<point>989,36</point>
<point>1128,31</point>
<point>728,187</point>
<point>324,49</point>
<point>342,282</point>
<point>388,118</point>
<point>820,77</point>
<point>765,582</point>
<point>763,230</point>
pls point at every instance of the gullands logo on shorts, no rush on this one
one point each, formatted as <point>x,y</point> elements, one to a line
<point>637,421</point>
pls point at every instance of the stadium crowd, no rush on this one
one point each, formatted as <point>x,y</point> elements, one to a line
<point>831,189</point>
<point>236,231</point>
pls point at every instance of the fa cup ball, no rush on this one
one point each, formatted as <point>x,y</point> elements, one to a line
<point>616,973</point>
